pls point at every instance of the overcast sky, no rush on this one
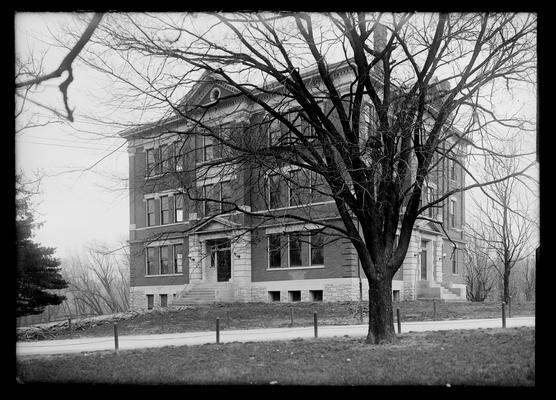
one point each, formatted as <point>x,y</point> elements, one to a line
<point>83,198</point>
<point>76,205</point>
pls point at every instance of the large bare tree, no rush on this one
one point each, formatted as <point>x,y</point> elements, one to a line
<point>417,86</point>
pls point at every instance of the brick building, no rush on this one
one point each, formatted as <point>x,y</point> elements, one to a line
<point>182,253</point>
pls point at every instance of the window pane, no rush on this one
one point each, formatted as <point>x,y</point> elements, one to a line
<point>295,251</point>
<point>317,187</point>
<point>298,187</point>
<point>275,189</point>
<point>178,259</point>
<point>274,251</point>
<point>212,192</point>
<point>150,162</point>
<point>164,261</point>
<point>157,162</point>
<point>166,152</point>
<point>178,208</point>
<point>151,261</point>
<point>178,159</point>
<point>150,212</point>
<point>164,210</point>
<point>226,191</point>
<point>317,251</point>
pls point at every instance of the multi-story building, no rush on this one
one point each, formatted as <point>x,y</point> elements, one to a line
<point>181,252</point>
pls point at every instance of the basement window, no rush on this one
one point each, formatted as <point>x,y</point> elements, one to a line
<point>395,295</point>
<point>274,296</point>
<point>295,295</point>
<point>163,300</point>
<point>316,295</point>
<point>150,301</point>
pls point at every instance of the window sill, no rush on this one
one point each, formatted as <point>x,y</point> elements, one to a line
<point>158,276</point>
<point>290,268</point>
<point>298,206</point>
<point>160,226</point>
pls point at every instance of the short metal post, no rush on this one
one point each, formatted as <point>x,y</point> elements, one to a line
<point>503,315</point>
<point>227,318</point>
<point>399,320</point>
<point>315,321</point>
<point>434,309</point>
<point>217,330</point>
<point>291,316</point>
<point>116,344</point>
<point>69,324</point>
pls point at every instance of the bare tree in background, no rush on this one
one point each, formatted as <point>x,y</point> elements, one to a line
<point>480,276</point>
<point>505,225</point>
<point>418,85</point>
<point>98,282</point>
<point>529,280</point>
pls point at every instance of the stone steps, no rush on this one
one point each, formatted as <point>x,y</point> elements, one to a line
<point>204,293</point>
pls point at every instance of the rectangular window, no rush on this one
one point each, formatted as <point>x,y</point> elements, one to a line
<point>274,191</point>
<point>294,191</point>
<point>294,245</point>
<point>274,251</point>
<point>274,296</point>
<point>178,159</point>
<point>157,168</point>
<point>165,260</point>
<point>167,158</point>
<point>455,262</point>
<point>226,196</point>
<point>211,148</point>
<point>452,164</point>
<point>316,295</point>
<point>150,301</point>
<point>151,262</point>
<point>211,196</point>
<point>295,295</point>
<point>164,210</point>
<point>317,249</point>
<point>163,300</point>
<point>178,258</point>
<point>317,187</point>
<point>452,211</point>
<point>178,208</point>
<point>429,198</point>
<point>274,131</point>
<point>150,212</point>
<point>150,161</point>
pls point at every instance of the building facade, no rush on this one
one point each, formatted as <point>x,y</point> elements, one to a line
<point>193,251</point>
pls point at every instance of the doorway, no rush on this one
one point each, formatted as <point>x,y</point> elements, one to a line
<point>220,258</point>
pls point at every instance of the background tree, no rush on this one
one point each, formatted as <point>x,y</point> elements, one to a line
<point>430,81</point>
<point>506,228</point>
<point>98,281</point>
<point>38,272</point>
<point>480,276</point>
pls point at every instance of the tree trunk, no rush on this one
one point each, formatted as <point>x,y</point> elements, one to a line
<point>381,317</point>
<point>506,286</point>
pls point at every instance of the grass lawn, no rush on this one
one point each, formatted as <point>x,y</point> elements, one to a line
<point>271,315</point>
<point>465,357</point>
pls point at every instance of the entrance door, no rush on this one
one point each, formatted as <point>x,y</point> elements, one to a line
<point>423,260</point>
<point>220,258</point>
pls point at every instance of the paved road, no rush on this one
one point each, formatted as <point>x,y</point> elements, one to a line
<point>252,335</point>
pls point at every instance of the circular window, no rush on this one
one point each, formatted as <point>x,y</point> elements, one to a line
<point>215,94</point>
